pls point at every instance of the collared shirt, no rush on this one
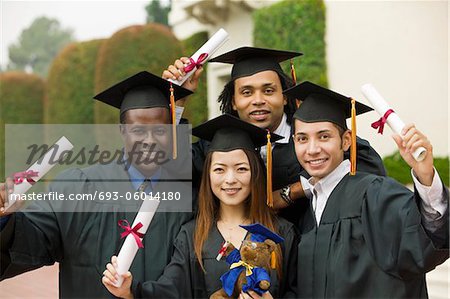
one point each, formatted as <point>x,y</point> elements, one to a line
<point>137,178</point>
<point>432,207</point>
<point>284,130</point>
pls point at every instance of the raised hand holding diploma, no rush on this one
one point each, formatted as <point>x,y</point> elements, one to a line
<point>202,55</point>
<point>110,279</point>
<point>387,116</point>
<point>134,235</point>
<point>24,180</point>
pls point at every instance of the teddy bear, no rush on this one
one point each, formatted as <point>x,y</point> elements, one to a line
<point>249,266</point>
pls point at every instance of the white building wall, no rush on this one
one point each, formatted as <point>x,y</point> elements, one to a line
<point>401,47</point>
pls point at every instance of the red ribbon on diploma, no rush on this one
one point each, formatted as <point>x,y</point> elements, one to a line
<point>192,63</point>
<point>379,124</point>
<point>28,175</point>
<point>133,231</point>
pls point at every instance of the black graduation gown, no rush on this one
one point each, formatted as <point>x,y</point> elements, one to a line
<point>184,278</point>
<point>370,243</point>
<point>83,242</point>
<point>286,169</point>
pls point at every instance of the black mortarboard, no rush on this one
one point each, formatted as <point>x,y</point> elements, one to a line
<point>321,104</point>
<point>248,61</point>
<point>227,133</point>
<point>142,90</point>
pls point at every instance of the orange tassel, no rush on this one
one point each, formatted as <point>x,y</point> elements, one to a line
<point>269,171</point>
<point>353,145</point>
<point>174,123</point>
<point>294,78</point>
<point>273,260</point>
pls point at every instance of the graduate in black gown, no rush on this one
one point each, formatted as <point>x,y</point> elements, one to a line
<point>82,236</point>
<point>233,192</point>
<point>254,94</point>
<point>365,236</point>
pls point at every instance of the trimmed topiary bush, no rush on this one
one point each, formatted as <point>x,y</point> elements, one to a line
<point>21,102</point>
<point>70,85</point>
<point>197,105</point>
<point>296,26</point>
<point>150,47</point>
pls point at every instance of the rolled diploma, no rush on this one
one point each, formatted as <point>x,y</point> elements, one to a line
<point>211,46</point>
<point>394,121</point>
<point>42,167</point>
<point>129,248</point>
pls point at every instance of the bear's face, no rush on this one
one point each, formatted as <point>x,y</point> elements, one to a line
<point>257,253</point>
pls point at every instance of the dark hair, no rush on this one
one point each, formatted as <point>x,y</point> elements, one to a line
<point>226,97</point>
<point>256,207</point>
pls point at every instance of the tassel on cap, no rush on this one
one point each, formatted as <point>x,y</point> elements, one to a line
<point>273,260</point>
<point>174,123</point>
<point>353,144</point>
<point>294,78</point>
<point>269,171</point>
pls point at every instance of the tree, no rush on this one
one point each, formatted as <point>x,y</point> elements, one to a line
<point>38,45</point>
<point>157,12</point>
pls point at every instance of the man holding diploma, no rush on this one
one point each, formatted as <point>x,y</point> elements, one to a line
<point>366,236</point>
<point>82,236</point>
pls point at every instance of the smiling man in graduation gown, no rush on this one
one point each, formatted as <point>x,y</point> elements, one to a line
<point>82,236</point>
<point>365,236</point>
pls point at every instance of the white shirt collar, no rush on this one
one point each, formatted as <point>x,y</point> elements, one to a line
<point>284,130</point>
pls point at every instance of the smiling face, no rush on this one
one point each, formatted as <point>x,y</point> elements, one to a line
<point>258,99</point>
<point>230,177</point>
<point>146,136</point>
<point>320,147</point>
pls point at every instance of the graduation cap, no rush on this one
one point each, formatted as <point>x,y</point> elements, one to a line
<point>323,105</point>
<point>145,90</point>
<point>227,132</point>
<point>248,61</point>
<point>259,233</point>
<point>142,90</point>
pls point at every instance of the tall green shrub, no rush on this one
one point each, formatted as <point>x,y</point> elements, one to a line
<point>197,105</point>
<point>397,168</point>
<point>21,101</point>
<point>150,47</point>
<point>70,85</point>
<point>296,26</point>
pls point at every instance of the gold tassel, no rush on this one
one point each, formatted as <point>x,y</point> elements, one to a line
<point>353,145</point>
<point>269,171</point>
<point>294,78</point>
<point>293,75</point>
<point>273,260</point>
<point>174,123</point>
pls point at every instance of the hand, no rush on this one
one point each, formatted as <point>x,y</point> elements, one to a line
<point>110,277</point>
<point>413,139</point>
<point>7,188</point>
<point>176,72</point>
<point>254,295</point>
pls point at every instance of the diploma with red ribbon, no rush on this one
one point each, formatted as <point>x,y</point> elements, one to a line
<point>24,180</point>
<point>133,235</point>
<point>388,116</point>
<point>203,54</point>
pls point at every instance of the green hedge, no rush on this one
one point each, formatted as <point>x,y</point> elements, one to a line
<point>150,47</point>
<point>71,84</point>
<point>296,26</point>
<point>397,168</point>
<point>21,101</point>
<point>197,106</point>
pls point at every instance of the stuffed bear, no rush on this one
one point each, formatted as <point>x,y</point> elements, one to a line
<point>249,269</point>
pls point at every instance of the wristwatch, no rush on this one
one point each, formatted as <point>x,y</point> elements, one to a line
<point>285,194</point>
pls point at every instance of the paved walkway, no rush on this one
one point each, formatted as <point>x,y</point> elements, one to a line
<point>41,283</point>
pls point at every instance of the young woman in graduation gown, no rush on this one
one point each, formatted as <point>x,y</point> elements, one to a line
<point>233,192</point>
